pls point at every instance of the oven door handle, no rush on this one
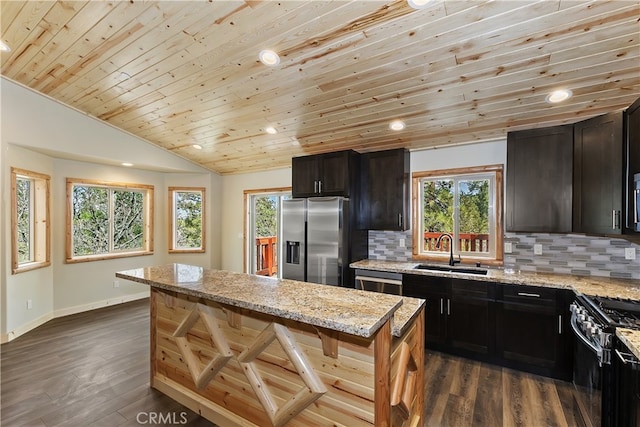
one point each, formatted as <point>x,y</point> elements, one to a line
<point>576,330</point>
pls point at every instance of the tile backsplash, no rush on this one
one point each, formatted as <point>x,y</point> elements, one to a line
<point>561,253</point>
<point>390,245</point>
<point>572,254</point>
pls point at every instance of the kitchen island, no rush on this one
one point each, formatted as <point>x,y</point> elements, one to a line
<point>250,350</point>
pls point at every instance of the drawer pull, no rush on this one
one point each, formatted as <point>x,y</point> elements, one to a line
<point>527,294</point>
<point>560,324</point>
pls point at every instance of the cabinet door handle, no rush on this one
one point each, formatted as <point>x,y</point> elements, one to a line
<point>635,206</point>
<point>527,294</point>
<point>400,220</point>
<point>315,187</point>
<point>448,307</point>
<point>615,217</point>
<point>441,306</point>
<point>319,186</point>
<point>560,324</point>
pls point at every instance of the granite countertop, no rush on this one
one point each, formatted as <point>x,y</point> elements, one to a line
<point>355,312</point>
<point>631,338</point>
<point>586,285</point>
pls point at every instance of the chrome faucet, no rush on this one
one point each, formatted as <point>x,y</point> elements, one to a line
<point>452,262</point>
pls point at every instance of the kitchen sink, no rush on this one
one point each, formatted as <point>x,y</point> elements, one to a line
<point>447,269</point>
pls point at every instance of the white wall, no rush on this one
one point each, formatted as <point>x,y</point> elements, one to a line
<point>36,285</point>
<point>233,212</point>
<point>35,121</point>
<point>37,133</point>
<point>479,154</point>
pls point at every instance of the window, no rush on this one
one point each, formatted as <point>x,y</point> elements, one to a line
<point>459,207</point>
<point>30,247</point>
<point>106,220</point>
<point>186,219</point>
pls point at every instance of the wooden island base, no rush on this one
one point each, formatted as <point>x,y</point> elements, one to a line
<point>237,366</point>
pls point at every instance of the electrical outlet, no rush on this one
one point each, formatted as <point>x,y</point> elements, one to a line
<point>508,247</point>
<point>116,283</point>
<point>537,249</point>
<point>402,243</point>
<point>630,253</point>
<point>29,304</point>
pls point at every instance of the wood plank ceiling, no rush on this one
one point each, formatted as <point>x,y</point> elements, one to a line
<point>179,73</point>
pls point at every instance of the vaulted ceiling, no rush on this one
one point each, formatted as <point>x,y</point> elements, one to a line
<point>185,73</point>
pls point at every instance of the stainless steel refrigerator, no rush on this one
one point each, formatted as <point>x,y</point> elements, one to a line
<point>315,238</point>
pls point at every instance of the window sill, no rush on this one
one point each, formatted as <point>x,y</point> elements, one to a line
<point>187,251</point>
<point>30,266</point>
<point>103,257</point>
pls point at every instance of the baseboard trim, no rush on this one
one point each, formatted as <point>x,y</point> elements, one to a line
<point>23,329</point>
<point>99,304</point>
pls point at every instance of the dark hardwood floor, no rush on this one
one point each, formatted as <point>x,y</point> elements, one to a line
<point>92,369</point>
<point>463,392</point>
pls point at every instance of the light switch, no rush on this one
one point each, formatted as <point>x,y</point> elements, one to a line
<point>402,243</point>
<point>537,249</point>
<point>508,247</point>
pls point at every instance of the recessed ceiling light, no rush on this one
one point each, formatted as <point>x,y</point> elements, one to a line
<point>271,130</point>
<point>4,47</point>
<point>197,146</point>
<point>396,125</point>
<point>127,164</point>
<point>269,57</point>
<point>418,4</point>
<point>558,96</point>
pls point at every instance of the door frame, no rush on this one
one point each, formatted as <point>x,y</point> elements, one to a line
<point>248,194</point>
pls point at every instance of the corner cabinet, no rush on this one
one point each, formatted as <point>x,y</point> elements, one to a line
<point>330,174</point>
<point>385,189</point>
<point>598,175</point>
<point>539,180</point>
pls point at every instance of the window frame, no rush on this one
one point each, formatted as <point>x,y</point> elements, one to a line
<point>148,208</point>
<point>172,191</point>
<point>498,206</point>
<point>40,229</point>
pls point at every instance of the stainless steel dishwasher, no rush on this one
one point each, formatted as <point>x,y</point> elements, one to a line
<point>379,281</point>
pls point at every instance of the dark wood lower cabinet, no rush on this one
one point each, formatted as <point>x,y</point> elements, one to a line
<point>459,314</point>
<point>522,327</point>
<point>470,317</point>
<point>532,330</point>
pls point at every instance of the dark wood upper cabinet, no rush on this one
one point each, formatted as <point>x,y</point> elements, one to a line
<point>598,175</point>
<point>330,174</point>
<point>385,189</point>
<point>539,180</point>
<point>632,163</point>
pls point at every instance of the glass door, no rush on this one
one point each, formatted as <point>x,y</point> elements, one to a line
<point>263,249</point>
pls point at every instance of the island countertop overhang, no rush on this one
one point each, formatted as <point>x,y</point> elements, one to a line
<point>351,311</point>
